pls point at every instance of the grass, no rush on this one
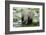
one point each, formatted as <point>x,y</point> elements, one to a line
<point>31,25</point>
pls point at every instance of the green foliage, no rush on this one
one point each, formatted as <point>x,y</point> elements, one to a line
<point>17,18</point>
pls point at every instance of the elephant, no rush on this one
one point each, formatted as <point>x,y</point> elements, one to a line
<point>27,16</point>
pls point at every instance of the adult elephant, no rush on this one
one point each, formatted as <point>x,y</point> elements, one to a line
<point>27,16</point>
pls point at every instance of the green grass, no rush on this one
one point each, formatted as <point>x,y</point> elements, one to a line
<point>31,25</point>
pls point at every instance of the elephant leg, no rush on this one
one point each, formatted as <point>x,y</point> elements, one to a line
<point>29,21</point>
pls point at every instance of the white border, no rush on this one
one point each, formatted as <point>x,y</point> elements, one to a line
<point>24,28</point>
